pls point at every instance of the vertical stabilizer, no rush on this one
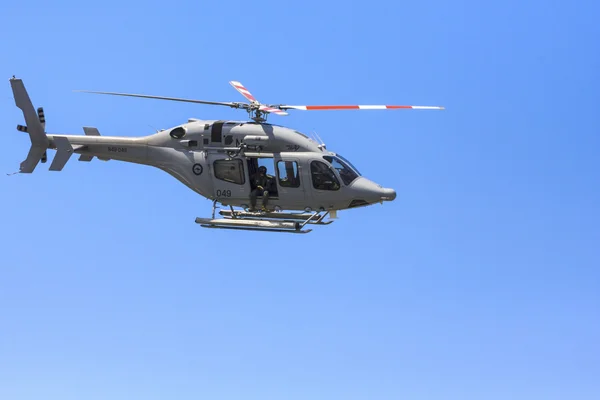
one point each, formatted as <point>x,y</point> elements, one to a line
<point>35,129</point>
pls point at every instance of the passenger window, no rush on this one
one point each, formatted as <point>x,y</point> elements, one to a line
<point>288,174</point>
<point>230,171</point>
<point>323,177</point>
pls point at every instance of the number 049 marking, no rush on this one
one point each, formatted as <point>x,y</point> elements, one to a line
<point>223,193</point>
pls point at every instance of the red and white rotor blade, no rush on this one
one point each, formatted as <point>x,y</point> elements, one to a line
<point>272,110</point>
<point>361,107</point>
<point>244,92</point>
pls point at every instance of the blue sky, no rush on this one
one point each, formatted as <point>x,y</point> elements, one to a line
<point>480,281</point>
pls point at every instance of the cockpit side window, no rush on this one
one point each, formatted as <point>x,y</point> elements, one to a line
<point>323,177</point>
<point>347,174</point>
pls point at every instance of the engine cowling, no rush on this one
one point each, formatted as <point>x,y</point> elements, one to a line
<point>255,140</point>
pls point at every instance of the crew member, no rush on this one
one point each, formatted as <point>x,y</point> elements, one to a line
<point>261,183</point>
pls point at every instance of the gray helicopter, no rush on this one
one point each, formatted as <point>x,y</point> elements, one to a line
<point>280,179</point>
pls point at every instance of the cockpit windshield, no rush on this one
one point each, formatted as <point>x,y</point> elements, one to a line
<point>349,163</point>
<point>346,170</point>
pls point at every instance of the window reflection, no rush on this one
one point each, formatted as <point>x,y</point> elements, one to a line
<point>347,174</point>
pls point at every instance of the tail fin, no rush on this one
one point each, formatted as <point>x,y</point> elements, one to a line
<point>35,127</point>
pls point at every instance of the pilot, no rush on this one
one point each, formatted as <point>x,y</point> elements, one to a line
<point>261,182</point>
<point>324,178</point>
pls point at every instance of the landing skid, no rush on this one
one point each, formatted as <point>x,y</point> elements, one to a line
<point>312,218</point>
<point>264,221</point>
<point>223,223</point>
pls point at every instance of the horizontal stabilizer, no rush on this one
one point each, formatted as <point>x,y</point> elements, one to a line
<point>64,151</point>
<point>91,131</point>
<point>84,157</point>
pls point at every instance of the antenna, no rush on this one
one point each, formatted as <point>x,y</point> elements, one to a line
<point>320,141</point>
<point>157,130</point>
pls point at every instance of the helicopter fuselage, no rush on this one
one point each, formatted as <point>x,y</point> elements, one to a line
<point>219,159</point>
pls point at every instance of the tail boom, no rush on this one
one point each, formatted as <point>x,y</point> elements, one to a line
<point>88,146</point>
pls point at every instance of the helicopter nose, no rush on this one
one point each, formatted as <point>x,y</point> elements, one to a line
<point>388,194</point>
<point>371,192</point>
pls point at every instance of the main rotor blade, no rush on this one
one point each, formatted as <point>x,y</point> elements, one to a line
<point>244,92</point>
<point>360,107</point>
<point>262,107</point>
<point>272,110</point>
<point>218,103</point>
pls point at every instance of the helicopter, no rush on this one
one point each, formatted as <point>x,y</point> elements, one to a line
<point>293,178</point>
